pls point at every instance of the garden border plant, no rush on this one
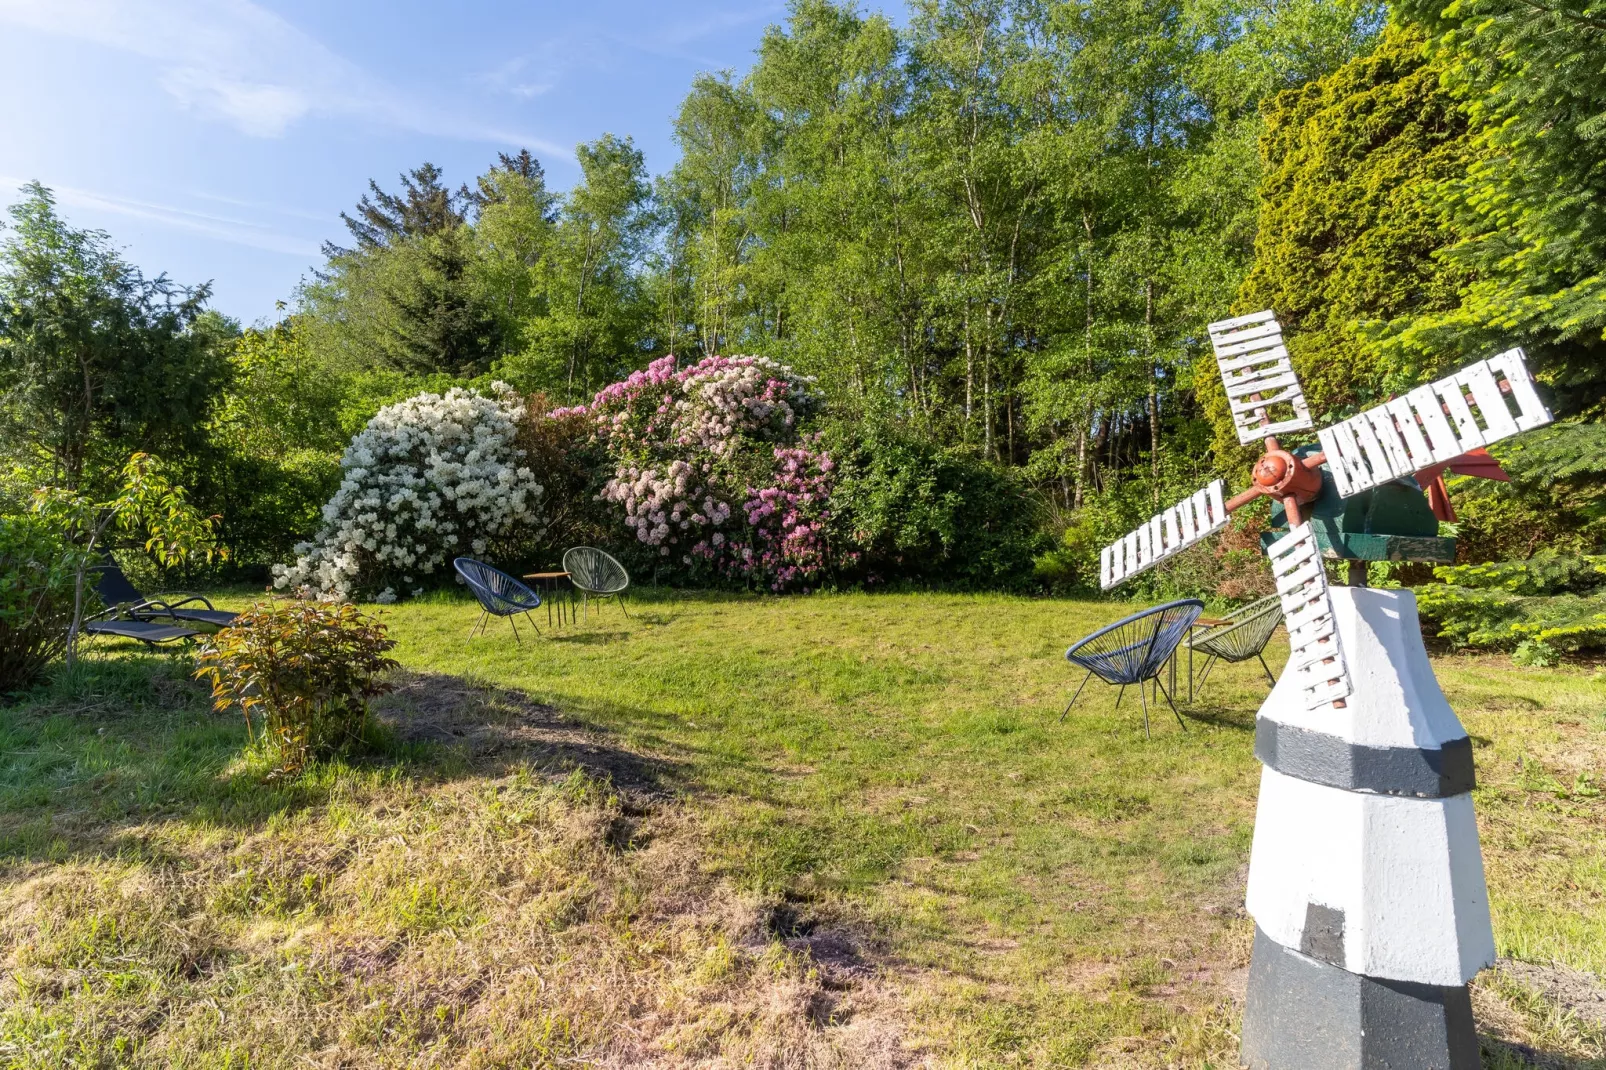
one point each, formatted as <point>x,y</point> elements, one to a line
<point>1553,603</point>
<point>308,668</point>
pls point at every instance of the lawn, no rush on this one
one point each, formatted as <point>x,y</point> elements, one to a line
<point>842,830</point>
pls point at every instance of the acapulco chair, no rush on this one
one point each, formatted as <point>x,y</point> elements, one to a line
<point>1133,650</point>
<point>499,594</point>
<point>1243,634</point>
<point>596,575</point>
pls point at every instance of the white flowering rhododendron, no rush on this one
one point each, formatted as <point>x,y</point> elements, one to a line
<point>711,473</point>
<point>429,479</point>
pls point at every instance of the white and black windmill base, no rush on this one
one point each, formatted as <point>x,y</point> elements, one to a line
<point>1365,879</point>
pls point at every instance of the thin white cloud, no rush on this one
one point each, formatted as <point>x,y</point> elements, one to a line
<point>237,62</point>
<point>512,78</point>
<point>258,109</point>
<point>223,228</point>
<point>687,31</point>
<point>260,206</point>
<point>534,73</point>
<point>670,40</point>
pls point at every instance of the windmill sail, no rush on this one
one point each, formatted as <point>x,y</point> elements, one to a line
<point>1434,423</point>
<point>1315,657</point>
<point>1262,389</point>
<point>1167,533</point>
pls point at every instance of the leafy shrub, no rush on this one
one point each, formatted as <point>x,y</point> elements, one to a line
<point>274,444</point>
<point>561,446</point>
<point>38,572</point>
<point>1546,572</point>
<point>709,472</point>
<point>429,478</point>
<point>1556,497</point>
<point>1553,603</point>
<point>307,668</point>
<point>905,508</point>
<point>271,499</point>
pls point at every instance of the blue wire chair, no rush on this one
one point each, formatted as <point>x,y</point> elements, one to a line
<point>1133,650</point>
<point>499,594</point>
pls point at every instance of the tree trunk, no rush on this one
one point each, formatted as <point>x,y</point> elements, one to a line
<point>970,368</point>
<point>1081,466</point>
<point>1154,396</point>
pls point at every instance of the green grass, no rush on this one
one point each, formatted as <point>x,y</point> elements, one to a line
<point>765,783</point>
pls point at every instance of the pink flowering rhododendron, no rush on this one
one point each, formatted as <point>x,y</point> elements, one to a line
<point>711,474</point>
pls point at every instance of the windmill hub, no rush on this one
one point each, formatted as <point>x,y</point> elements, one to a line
<point>1281,475</point>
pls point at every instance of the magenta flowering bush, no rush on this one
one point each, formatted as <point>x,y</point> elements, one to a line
<point>711,473</point>
<point>788,519</point>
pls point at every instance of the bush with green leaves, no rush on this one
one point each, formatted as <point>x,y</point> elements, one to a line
<point>38,575</point>
<point>1556,497</point>
<point>306,669</point>
<point>1554,603</point>
<point>905,508</point>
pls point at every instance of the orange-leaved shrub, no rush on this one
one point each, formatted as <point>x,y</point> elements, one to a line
<point>305,670</point>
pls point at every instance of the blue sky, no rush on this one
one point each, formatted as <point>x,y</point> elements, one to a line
<point>220,139</point>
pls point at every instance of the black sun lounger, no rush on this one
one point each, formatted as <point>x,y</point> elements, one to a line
<point>145,631</point>
<point>115,590</point>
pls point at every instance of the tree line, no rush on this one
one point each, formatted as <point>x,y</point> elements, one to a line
<point>999,230</point>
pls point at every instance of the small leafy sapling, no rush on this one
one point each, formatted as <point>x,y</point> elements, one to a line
<point>307,668</point>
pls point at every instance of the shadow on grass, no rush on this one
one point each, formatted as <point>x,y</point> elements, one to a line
<point>588,638</point>
<point>86,765</point>
<point>1239,719</point>
<point>490,728</point>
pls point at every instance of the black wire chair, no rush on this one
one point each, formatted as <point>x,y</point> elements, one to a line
<point>1242,634</point>
<point>1133,650</point>
<point>596,575</point>
<point>499,594</point>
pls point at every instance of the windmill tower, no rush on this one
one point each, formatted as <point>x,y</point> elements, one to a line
<point>1365,879</point>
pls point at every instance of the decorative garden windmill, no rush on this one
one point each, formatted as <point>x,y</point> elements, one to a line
<point>1365,880</point>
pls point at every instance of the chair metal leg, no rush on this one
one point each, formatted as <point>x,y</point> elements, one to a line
<point>1204,674</point>
<point>1118,696</point>
<point>1146,733</point>
<point>1173,706</point>
<point>511,620</point>
<point>532,622</point>
<point>1263,665</point>
<point>620,598</point>
<point>476,626</point>
<point>1076,696</point>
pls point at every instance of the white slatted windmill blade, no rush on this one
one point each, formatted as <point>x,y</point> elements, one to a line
<point>1479,405</point>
